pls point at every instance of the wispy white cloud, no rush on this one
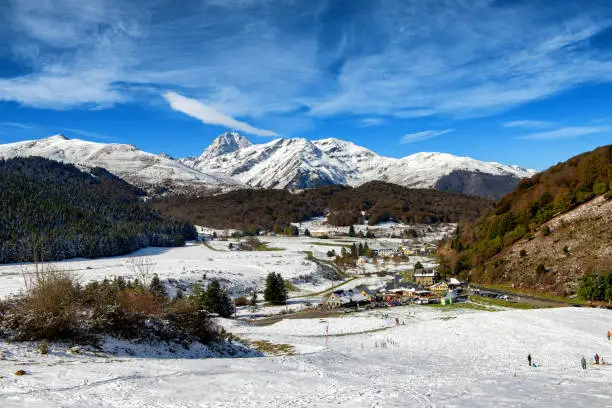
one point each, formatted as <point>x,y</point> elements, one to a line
<point>19,125</point>
<point>424,135</point>
<point>569,132</point>
<point>369,122</point>
<point>210,116</point>
<point>286,58</point>
<point>90,135</point>
<point>528,124</point>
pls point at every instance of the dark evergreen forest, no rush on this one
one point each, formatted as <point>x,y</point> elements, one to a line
<point>52,211</point>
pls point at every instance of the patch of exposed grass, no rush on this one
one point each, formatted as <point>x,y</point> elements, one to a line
<point>500,302</point>
<point>506,287</point>
<point>290,287</point>
<point>269,348</point>
<point>264,247</point>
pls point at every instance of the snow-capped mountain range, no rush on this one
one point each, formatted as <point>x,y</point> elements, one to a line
<point>232,161</point>
<point>125,161</point>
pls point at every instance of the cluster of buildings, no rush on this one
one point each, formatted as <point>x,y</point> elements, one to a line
<point>426,288</point>
<point>405,251</point>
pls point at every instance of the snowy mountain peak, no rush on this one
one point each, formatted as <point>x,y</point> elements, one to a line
<point>57,137</point>
<point>228,142</point>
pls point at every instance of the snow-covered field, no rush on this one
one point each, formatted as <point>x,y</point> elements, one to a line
<point>452,358</point>
<point>239,271</point>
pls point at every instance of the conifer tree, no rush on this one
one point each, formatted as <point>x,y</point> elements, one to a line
<point>156,287</point>
<point>275,291</point>
<point>216,300</point>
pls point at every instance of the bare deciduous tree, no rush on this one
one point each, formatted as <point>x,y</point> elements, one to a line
<point>142,268</point>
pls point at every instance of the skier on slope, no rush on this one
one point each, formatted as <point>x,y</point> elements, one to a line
<point>529,359</point>
<point>596,358</point>
<point>583,363</point>
<point>608,335</point>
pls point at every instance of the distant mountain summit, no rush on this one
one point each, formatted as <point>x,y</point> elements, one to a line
<point>232,161</point>
<point>228,142</point>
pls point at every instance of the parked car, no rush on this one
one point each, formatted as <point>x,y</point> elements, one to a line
<point>422,301</point>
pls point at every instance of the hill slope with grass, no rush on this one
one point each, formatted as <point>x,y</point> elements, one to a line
<point>546,234</point>
<point>52,211</point>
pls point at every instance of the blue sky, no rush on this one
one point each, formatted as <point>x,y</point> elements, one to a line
<point>519,82</point>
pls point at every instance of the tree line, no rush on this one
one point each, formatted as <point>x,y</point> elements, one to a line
<point>51,211</point>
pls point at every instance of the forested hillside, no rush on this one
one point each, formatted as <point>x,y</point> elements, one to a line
<point>551,229</point>
<point>251,210</point>
<point>53,211</point>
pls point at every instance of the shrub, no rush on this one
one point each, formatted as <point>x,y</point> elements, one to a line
<point>138,301</point>
<point>523,253</point>
<point>56,308</point>
<point>47,311</point>
<point>241,301</point>
<point>186,317</point>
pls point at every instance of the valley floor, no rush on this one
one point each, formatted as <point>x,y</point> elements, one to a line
<point>239,271</point>
<point>436,358</point>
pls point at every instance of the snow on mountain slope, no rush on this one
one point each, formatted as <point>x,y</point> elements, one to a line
<point>125,161</point>
<point>299,163</point>
<point>281,163</point>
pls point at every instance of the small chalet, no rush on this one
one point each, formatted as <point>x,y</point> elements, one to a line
<point>384,252</point>
<point>363,260</point>
<point>439,288</point>
<point>426,277</point>
<point>454,283</point>
<point>370,295</point>
<point>341,298</point>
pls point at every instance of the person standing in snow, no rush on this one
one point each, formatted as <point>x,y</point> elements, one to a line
<point>529,359</point>
<point>583,363</point>
<point>596,358</point>
<point>608,335</point>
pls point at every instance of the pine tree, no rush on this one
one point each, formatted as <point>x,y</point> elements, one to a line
<point>353,251</point>
<point>361,250</point>
<point>418,265</point>
<point>275,291</point>
<point>156,287</point>
<point>216,300</point>
<point>351,231</point>
<point>254,299</point>
<point>306,232</point>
